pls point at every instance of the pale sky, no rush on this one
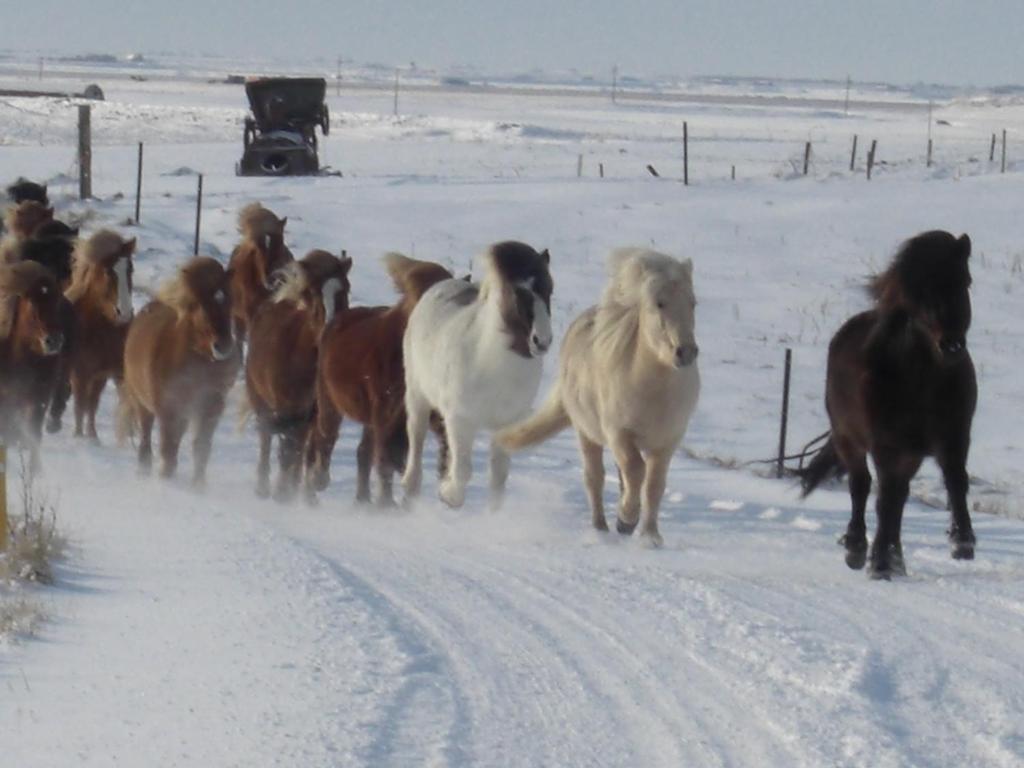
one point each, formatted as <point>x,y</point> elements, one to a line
<point>902,41</point>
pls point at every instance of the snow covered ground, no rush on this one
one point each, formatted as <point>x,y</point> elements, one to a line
<point>220,630</point>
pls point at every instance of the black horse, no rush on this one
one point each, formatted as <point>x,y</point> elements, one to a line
<point>23,189</point>
<point>901,386</point>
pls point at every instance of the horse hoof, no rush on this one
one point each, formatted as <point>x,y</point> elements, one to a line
<point>53,426</point>
<point>453,497</point>
<point>888,564</point>
<point>962,550</point>
<point>626,529</point>
<point>649,539</point>
<point>856,560</point>
<point>856,550</point>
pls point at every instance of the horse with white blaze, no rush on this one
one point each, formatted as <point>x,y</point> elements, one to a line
<point>627,380</point>
<point>474,354</point>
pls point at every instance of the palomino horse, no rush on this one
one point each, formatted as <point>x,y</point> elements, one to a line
<point>361,377</point>
<point>281,366</point>
<point>473,353</point>
<point>260,253</point>
<point>55,253</point>
<point>30,338</point>
<point>628,380</point>
<point>101,296</point>
<point>22,221</point>
<point>900,386</point>
<point>180,360</point>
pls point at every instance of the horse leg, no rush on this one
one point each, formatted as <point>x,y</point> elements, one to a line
<point>95,389</point>
<point>631,473</point>
<point>263,465</point>
<point>145,419</point>
<point>382,461</point>
<point>364,463</point>
<point>209,415</point>
<point>323,434</point>
<point>172,429</point>
<point>78,387</point>
<point>961,533</point>
<point>855,540</point>
<point>893,490</point>
<point>437,427</point>
<point>417,422</point>
<point>500,462</point>
<point>289,453</point>
<point>655,474</point>
<point>460,439</point>
<point>593,479</point>
<point>59,399</point>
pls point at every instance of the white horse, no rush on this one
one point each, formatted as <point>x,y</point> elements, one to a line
<point>473,353</point>
<point>628,380</point>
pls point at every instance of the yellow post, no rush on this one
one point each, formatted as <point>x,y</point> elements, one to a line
<point>3,497</point>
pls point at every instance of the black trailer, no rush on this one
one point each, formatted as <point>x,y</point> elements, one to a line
<point>280,136</point>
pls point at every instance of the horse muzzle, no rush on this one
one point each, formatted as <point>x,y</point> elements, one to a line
<point>52,343</point>
<point>538,345</point>
<point>686,355</point>
<point>220,351</point>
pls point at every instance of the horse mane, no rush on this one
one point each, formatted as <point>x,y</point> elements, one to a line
<point>102,248</point>
<point>412,277</point>
<point>617,320</point>
<point>179,292</point>
<point>315,268</point>
<point>512,262</point>
<point>927,258</point>
<point>256,222</point>
<point>23,189</point>
<point>16,280</point>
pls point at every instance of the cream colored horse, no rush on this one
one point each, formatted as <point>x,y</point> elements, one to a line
<point>628,380</point>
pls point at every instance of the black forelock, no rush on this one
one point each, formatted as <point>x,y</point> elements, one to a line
<point>931,260</point>
<point>23,189</point>
<point>517,262</point>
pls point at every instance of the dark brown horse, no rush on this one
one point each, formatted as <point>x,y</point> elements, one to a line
<point>180,360</point>
<point>280,368</point>
<point>30,339</point>
<point>361,376</point>
<point>23,189</point>
<point>900,387</point>
<point>55,253</point>
<point>260,253</point>
<point>101,296</point>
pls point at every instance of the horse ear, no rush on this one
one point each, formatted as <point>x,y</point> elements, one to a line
<point>546,256</point>
<point>48,213</point>
<point>284,221</point>
<point>965,245</point>
<point>687,266</point>
<point>346,262</point>
<point>129,247</point>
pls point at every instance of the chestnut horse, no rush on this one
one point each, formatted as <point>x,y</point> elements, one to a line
<point>180,360</point>
<point>901,386</point>
<point>30,337</point>
<point>362,377</point>
<point>255,258</point>
<point>101,296</point>
<point>280,368</point>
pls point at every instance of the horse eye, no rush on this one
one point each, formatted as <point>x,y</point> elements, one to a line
<point>219,297</point>
<point>44,289</point>
<point>661,305</point>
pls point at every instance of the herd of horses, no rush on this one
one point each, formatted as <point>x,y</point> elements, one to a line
<point>456,356</point>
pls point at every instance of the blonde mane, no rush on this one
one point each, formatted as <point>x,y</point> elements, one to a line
<point>101,248</point>
<point>295,276</point>
<point>15,281</point>
<point>617,319</point>
<point>256,222</point>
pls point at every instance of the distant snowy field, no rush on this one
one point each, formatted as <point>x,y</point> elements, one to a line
<point>223,630</point>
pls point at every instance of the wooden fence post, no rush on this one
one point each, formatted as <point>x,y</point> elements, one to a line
<point>199,211</point>
<point>785,412</point>
<point>138,187</point>
<point>84,151</point>
<point>396,93</point>
<point>686,155</point>
<point>992,150</point>
<point>871,156</point>
<point>1002,168</point>
<point>853,152</point>
<point>600,170</point>
<point>579,166</point>
<point>928,162</point>
<point>807,156</point>
<point>734,173</point>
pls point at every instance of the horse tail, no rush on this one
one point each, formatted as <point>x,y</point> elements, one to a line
<point>412,277</point>
<point>124,417</point>
<point>549,420</point>
<point>824,465</point>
